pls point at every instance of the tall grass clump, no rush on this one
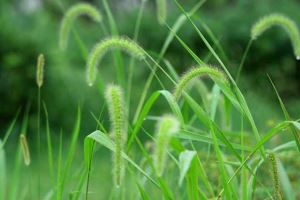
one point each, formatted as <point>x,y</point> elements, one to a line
<point>201,70</point>
<point>71,14</point>
<point>25,149</point>
<point>282,21</point>
<point>115,101</point>
<point>102,47</point>
<point>166,128</point>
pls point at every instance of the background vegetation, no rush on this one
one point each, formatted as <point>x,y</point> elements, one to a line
<point>31,27</point>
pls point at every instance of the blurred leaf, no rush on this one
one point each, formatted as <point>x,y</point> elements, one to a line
<point>185,160</point>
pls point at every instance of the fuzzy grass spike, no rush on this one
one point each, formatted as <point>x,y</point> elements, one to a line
<point>25,149</point>
<point>70,16</point>
<point>102,47</point>
<point>276,181</point>
<point>282,21</point>
<point>40,70</point>
<point>201,70</point>
<point>166,128</point>
<point>115,101</point>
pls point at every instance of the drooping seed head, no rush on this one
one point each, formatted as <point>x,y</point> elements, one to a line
<point>282,21</point>
<point>25,149</point>
<point>102,47</point>
<point>166,128</point>
<point>40,70</point>
<point>115,101</point>
<point>201,70</point>
<point>161,9</point>
<point>71,14</point>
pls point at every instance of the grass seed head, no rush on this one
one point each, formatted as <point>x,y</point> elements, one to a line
<point>166,128</point>
<point>276,180</point>
<point>201,70</point>
<point>282,21</point>
<point>115,101</point>
<point>40,70</point>
<point>69,17</point>
<point>103,46</point>
<point>25,149</point>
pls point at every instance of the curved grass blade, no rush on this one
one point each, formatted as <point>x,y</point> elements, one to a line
<point>104,140</point>
<point>185,160</point>
<point>145,110</point>
<point>286,185</point>
<point>275,130</point>
<point>235,88</point>
<point>293,129</point>
<point>10,128</point>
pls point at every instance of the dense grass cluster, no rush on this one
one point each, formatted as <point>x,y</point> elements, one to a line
<point>207,147</point>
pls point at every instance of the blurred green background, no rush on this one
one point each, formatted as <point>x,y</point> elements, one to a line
<point>30,27</point>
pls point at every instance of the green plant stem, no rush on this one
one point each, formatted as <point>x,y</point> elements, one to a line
<point>132,61</point>
<point>39,140</point>
<point>89,172</point>
<point>243,61</point>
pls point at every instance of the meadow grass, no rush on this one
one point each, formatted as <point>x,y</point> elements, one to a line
<point>196,152</point>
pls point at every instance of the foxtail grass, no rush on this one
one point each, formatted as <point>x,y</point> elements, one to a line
<point>282,21</point>
<point>115,101</point>
<point>71,14</point>
<point>166,128</point>
<point>25,149</point>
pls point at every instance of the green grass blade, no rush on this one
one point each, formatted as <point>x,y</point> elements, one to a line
<point>104,140</point>
<point>14,189</point>
<point>49,143</point>
<point>236,90</point>
<point>252,180</point>
<point>293,129</point>
<point>59,192</point>
<point>2,172</point>
<point>72,148</point>
<point>185,160</point>
<point>116,54</point>
<point>285,182</point>
<point>271,133</point>
<point>10,128</point>
<point>145,110</point>
<point>143,194</point>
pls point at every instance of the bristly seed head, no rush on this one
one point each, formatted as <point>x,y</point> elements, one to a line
<point>102,47</point>
<point>275,176</point>
<point>40,70</point>
<point>201,70</point>
<point>282,21</point>
<point>117,113</point>
<point>166,128</point>
<point>69,17</point>
<point>25,149</point>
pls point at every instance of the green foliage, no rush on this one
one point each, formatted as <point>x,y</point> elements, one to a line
<point>213,145</point>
